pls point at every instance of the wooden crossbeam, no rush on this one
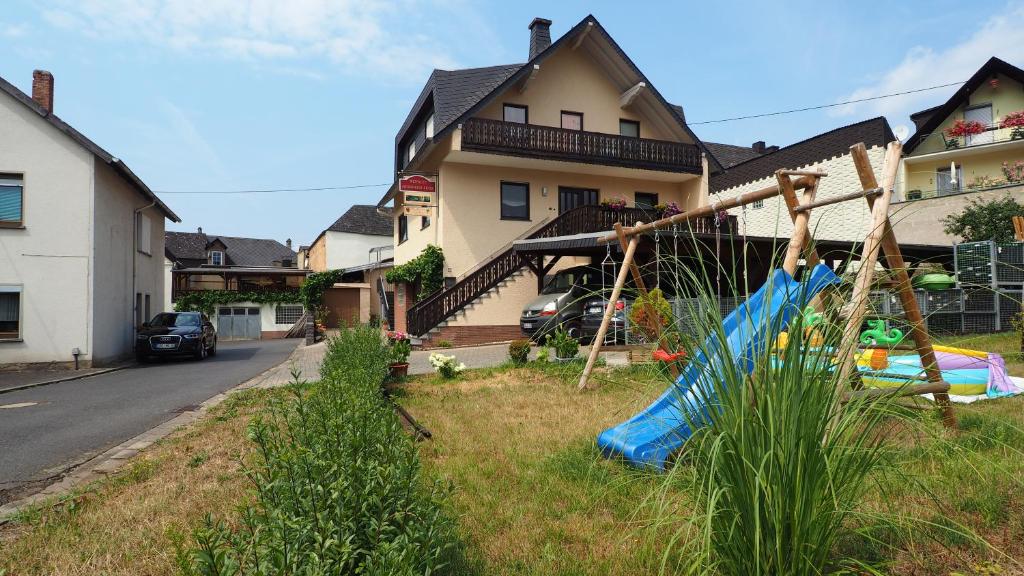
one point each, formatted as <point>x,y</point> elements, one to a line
<point>631,94</point>
<point>838,199</point>
<point>526,80</point>
<point>816,173</point>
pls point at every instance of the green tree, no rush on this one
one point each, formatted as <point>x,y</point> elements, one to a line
<point>985,220</point>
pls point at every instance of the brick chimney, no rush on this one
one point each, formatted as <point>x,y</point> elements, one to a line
<point>540,36</point>
<point>42,89</point>
<point>758,147</point>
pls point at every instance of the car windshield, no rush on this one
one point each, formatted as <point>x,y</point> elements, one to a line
<point>562,282</point>
<point>173,320</point>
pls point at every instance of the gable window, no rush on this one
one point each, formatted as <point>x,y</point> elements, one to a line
<point>430,126</point>
<point>572,120</point>
<point>287,314</point>
<point>216,257</point>
<point>515,113</point>
<point>11,201</point>
<point>629,128</point>
<point>412,151</point>
<point>144,234</point>
<point>944,183</point>
<point>10,313</point>
<point>646,200</point>
<point>515,201</point>
<point>403,228</point>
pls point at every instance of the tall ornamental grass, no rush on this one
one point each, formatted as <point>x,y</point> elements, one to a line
<point>337,484</point>
<point>780,464</point>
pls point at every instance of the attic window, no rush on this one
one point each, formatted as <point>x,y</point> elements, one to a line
<point>430,126</point>
<point>216,257</point>
<point>515,113</point>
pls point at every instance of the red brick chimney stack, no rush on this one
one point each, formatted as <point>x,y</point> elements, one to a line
<point>42,89</point>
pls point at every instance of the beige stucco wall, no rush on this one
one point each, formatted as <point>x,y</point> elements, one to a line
<point>168,305</point>
<point>919,174</point>
<point>1008,97</point>
<point>345,250</point>
<point>571,81</point>
<point>49,258</point>
<point>920,221</point>
<point>114,248</point>
<point>843,221</point>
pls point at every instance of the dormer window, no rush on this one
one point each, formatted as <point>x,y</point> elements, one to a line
<point>430,126</point>
<point>216,258</point>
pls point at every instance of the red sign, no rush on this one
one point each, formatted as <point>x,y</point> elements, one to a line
<point>416,183</point>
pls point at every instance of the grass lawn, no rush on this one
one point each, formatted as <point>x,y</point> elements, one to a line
<point>532,494</point>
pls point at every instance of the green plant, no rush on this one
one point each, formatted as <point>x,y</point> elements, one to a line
<point>399,346</point>
<point>314,286</point>
<point>444,343</point>
<point>427,269</point>
<point>985,220</point>
<point>566,347</point>
<point>338,487</point>
<point>519,351</point>
<point>447,367</point>
<point>651,314</point>
<point>206,301</point>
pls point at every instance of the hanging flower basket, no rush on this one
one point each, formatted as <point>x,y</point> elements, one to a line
<point>1015,122</point>
<point>963,128</point>
<point>616,204</point>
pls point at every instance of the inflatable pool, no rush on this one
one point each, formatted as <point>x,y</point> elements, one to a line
<point>968,372</point>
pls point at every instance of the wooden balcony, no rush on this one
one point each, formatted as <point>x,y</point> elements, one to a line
<point>547,142</point>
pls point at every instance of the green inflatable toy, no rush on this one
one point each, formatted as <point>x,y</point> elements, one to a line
<point>878,335</point>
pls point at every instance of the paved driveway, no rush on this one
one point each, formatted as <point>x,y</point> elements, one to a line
<point>45,430</point>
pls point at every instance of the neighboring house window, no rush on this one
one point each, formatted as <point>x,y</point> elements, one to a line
<point>10,313</point>
<point>144,230</point>
<point>944,183</point>
<point>516,114</point>
<point>515,201</point>
<point>403,228</point>
<point>216,257</point>
<point>645,200</point>
<point>424,222</point>
<point>572,120</point>
<point>629,128</point>
<point>430,126</point>
<point>11,201</point>
<point>758,204</point>
<point>287,314</point>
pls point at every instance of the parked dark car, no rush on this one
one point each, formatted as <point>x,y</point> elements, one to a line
<point>593,314</point>
<point>561,302</point>
<point>176,334</point>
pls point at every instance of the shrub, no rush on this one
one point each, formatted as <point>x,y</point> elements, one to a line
<point>519,351</point>
<point>447,366</point>
<point>427,269</point>
<point>444,343</point>
<point>651,310</point>
<point>985,220</point>
<point>565,346</point>
<point>338,483</point>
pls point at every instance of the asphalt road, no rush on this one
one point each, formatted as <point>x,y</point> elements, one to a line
<point>45,430</point>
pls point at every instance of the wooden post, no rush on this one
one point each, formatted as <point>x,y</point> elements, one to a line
<point>609,309</point>
<point>801,223</point>
<point>894,258</point>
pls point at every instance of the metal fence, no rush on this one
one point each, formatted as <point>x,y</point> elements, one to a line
<point>989,264</point>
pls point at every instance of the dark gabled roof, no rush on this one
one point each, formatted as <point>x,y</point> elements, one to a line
<point>238,251</point>
<point>941,112</point>
<point>89,145</point>
<point>730,155</point>
<point>471,89</point>
<point>365,219</point>
<point>873,132</point>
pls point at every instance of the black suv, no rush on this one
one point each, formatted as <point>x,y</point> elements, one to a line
<point>176,334</point>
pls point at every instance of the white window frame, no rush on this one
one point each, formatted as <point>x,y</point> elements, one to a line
<point>221,253</point>
<point>9,179</point>
<point>20,291</point>
<point>430,126</point>
<point>412,150</point>
<point>144,234</point>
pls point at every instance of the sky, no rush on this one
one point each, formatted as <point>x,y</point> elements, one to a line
<point>226,95</point>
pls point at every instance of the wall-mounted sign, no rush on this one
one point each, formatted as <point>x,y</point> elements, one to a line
<point>417,211</point>
<point>417,183</point>
<point>418,198</point>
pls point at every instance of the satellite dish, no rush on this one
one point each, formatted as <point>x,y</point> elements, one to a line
<point>902,132</point>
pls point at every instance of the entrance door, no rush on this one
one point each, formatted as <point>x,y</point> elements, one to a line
<point>238,323</point>
<point>570,198</point>
<point>981,114</point>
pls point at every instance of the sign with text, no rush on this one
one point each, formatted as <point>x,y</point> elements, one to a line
<point>417,211</point>
<point>417,183</point>
<point>418,198</point>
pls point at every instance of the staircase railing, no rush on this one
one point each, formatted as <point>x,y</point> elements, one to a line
<point>439,306</point>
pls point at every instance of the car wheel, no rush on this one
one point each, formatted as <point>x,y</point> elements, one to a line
<point>213,349</point>
<point>573,330</point>
<point>201,351</point>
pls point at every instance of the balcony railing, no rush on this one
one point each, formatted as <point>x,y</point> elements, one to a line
<point>548,142</point>
<point>993,134</point>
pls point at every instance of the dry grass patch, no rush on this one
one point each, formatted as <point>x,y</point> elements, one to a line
<point>131,522</point>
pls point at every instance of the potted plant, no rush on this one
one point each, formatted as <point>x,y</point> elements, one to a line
<point>670,209</point>
<point>400,348</point>
<point>565,346</point>
<point>616,204</point>
<point>962,129</point>
<point>1014,173</point>
<point>1015,122</point>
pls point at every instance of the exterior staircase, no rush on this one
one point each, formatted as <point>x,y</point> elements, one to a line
<point>428,317</point>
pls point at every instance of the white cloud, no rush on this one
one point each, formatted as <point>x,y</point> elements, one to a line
<point>13,30</point>
<point>358,35</point>
<point>1001,36</point>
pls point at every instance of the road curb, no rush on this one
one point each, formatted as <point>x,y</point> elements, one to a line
<point>66,379</point>
<point>110,461</point>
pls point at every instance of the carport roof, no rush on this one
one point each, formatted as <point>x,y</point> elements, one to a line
<point>559,243</point>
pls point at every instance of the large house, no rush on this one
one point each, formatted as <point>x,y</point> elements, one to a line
<point>971,147</point>
<point>362,235</point>
<point>198,262</point>
<point>531,150</point>
<point>81,238</point>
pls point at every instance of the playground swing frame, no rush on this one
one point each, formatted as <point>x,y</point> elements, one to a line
<point>880,240</point>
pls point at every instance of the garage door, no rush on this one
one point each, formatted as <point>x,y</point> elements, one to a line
<point>238,323</point>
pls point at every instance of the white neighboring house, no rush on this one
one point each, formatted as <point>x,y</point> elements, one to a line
<point>362,235</point>
<point>81,239</point>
